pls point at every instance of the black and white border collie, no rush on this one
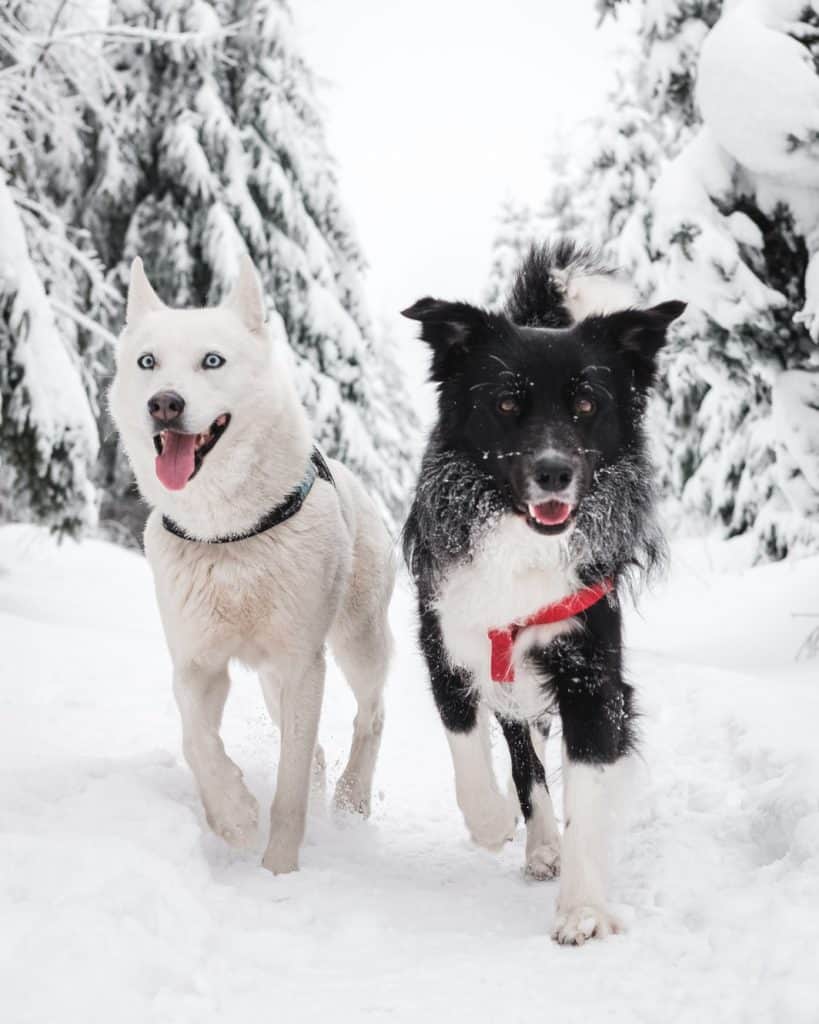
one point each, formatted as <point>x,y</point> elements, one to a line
<point>534,508</point>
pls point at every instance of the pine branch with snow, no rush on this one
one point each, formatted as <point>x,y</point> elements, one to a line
<point>48,436</point>
<point>49,349</point>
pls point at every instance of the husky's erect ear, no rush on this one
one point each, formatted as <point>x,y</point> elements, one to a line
<point>449,328</point>
<point>142,298</point>
<point>245,298</point>
<point>640,334</point>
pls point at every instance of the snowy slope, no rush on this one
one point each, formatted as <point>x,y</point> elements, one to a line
<point>117,905</point>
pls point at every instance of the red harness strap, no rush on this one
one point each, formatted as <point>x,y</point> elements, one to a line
<point>503,640</point>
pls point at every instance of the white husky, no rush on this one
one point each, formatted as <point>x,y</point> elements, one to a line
<point>221,448</point>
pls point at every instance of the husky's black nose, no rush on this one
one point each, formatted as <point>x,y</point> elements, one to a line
<point>553,474</point>
<point>166,406</point>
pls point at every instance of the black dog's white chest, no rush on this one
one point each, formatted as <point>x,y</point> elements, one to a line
<point>512,573</point>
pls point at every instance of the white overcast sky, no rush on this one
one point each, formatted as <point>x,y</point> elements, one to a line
<point>436,112</point>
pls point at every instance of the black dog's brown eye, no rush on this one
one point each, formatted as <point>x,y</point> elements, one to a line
<point>508,405</point>
<point>584,406</point>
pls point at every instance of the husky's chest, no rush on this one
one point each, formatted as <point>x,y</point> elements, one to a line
<point>513,573</point>
<point>268,594</point>
<point>217,593</point>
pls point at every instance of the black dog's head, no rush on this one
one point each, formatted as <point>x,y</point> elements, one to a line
<point>543,409</point>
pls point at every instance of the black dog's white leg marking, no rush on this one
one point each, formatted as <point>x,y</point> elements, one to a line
<point>581,905</point>
<point>489,815</point>
<point>542,836</point>
<point>582,673</point>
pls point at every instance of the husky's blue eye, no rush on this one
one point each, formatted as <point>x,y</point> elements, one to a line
<point>213,361</point>
<point>146,362</point>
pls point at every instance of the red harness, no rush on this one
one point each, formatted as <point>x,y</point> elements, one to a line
<point>503,640</point>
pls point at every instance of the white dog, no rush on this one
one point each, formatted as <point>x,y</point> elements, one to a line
<point>259,552</point>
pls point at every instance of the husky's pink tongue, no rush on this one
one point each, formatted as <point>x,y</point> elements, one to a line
<point>175,465</point>
<point>550,513</point>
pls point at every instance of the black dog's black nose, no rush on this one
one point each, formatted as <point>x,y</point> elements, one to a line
<point>553,474</point>
<point>166,406</point>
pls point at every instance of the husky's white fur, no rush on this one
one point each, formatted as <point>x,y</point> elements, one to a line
<point>270,601</point>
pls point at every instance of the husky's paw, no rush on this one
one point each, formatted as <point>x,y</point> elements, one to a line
<point>281,859</point>
<point>352,796</point>
<point>544,861</point>
<point>574,926</point>
<point>235,816</point>
<point>492,827</point>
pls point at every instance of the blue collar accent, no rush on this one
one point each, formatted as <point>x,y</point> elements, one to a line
<point>317,468</point>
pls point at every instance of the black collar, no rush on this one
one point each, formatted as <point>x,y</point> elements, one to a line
<point>316,467</point>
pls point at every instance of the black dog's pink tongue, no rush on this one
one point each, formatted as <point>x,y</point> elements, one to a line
<point>175,465</point>
<point>550,513</point>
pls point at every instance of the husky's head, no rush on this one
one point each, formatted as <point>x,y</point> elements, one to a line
<point>195,391</point>
<point>543,410</point>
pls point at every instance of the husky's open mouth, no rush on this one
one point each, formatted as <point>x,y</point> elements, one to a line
<point>549,517</point>
<point>179,456</point>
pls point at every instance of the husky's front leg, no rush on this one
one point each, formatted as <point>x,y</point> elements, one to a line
<point>300,709</point>
<point>231,810</point>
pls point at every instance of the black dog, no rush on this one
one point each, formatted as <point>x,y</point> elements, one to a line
<point>534,508</point>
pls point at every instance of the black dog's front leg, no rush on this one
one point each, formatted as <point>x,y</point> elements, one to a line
<point>489,816</point>
<point>583,675</point>
<point>542,837</point>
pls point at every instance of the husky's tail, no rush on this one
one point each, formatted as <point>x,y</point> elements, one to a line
<point>560,283</point>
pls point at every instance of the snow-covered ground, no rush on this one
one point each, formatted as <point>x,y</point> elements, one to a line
<point>116,905</point>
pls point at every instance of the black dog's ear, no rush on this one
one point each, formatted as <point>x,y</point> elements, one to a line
<point>640,334</point>
<point>445,325</point>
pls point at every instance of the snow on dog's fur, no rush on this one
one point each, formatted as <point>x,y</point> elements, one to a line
<point>536,483</point>
<point>217,438</point>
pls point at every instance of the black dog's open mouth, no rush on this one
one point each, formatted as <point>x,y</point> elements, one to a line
<point>179,456</point>
<point>549,517</point>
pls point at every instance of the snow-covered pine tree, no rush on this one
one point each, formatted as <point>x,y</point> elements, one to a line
<point>598,176</point>
<point>519,227</point>
<point>733,225</point>
<point>49,348</point>
<point>218,147</point>
<point>724,105</point>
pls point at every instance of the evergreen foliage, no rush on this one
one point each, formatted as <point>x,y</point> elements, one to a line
<point>49,346</point>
